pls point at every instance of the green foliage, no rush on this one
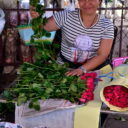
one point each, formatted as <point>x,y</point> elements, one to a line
<point>44,78</point>
<point>43,82</point>
<point>34,2</point>
<point>38,22</point>
<point>110,0</point>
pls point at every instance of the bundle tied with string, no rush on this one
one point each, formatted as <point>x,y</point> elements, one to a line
<point>115,93</point>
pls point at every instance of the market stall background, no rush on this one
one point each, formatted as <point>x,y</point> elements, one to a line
<point>14,52</point>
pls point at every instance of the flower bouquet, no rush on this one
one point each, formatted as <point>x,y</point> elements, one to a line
<point>115,94</point>
<point>116,97</point>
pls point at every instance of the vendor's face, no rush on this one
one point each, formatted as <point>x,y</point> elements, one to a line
<point>89,6</point>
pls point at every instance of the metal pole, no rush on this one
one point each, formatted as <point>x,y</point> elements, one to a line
<point>114,6</point>
<point>121,30</point>
<point>106,5</point>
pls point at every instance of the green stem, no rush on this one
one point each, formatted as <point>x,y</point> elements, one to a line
<point>33,65</point>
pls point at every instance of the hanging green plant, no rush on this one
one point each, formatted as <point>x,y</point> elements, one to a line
<point>38,22</point>
<point>44,79</point>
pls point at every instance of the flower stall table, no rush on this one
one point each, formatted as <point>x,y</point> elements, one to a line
<point>59,109</point>
<point>64,116</point>
<point>104,110</point>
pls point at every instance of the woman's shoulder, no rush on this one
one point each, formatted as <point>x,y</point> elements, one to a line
<point>104,19</point>
<point>105,22</point>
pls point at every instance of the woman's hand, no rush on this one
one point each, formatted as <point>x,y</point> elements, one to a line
<point>33,13</point>
<point>74,72</point>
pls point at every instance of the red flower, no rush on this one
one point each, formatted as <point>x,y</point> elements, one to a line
<point>82,77</point>
<point>116,95</point>
<point>88,95</point>
<point>90,83</point>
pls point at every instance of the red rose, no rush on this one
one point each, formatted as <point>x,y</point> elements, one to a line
<point>116,95</point>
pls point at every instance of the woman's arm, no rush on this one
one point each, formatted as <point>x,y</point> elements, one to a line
<point>51,25</point>
<point>91,64</point>
<point>102,55</point>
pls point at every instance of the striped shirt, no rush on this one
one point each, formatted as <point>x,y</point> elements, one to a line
<point>78,42</point>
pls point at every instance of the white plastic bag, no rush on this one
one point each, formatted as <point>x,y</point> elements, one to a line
<point>54,113</point>
<point>2,20</point>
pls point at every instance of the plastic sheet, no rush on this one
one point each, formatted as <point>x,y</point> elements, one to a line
<point>2,20</point>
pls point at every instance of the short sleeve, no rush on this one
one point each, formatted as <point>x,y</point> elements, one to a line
<point>108,31</point>
<point>61,17</point>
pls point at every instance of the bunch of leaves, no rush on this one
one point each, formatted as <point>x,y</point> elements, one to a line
<point>44,82</point>
<point>38,22</point>
<point>45,52</point>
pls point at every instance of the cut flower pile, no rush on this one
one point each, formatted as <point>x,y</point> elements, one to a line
<point>44,81</point>
<point>45,78</point>
<point>49,82</point>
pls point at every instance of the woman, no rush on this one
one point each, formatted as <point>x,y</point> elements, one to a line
<point>86,36</point>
